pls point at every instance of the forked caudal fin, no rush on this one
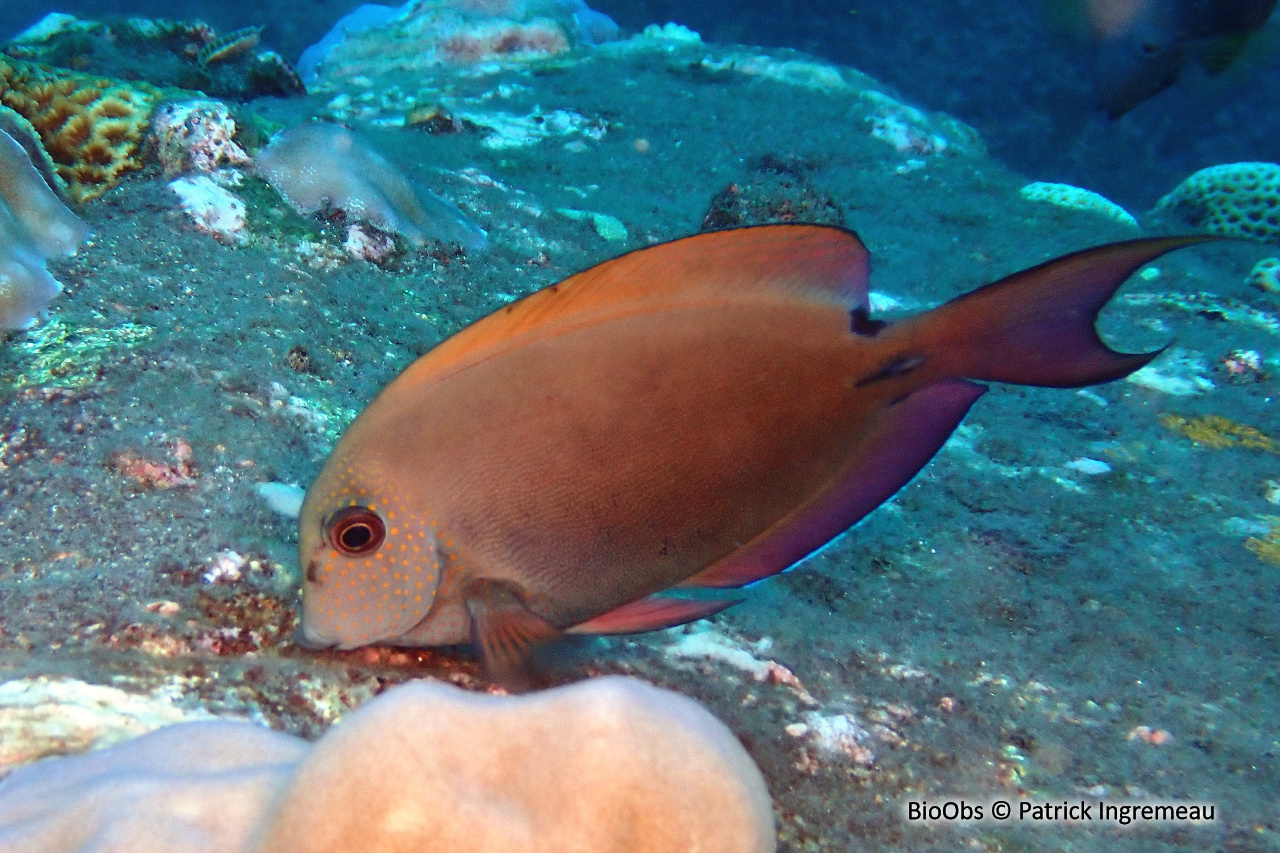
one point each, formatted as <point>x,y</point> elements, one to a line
<point>1036,327</point>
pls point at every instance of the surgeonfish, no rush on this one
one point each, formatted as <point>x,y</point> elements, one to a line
<point>701,414</point>
<point>1144,45</point>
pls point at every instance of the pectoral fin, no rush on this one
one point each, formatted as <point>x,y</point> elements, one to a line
<point>505,631</point>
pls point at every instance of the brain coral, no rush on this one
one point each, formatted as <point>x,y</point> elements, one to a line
<point>1234,199</point>
<point>92,127</point>
<point>611,765</point>
<point>421,36</point>
<point>1075,198</point>
<point>319,166</point>
<point>34,225</point>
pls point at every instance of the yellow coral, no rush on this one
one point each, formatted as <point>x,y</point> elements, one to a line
<point>92,127</point>
<point>1234,199</point>
<point>1218,432</point>
<point>1065,195</point>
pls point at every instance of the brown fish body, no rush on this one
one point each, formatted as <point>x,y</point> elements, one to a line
<point>592,481</point>
<point>613,437</point>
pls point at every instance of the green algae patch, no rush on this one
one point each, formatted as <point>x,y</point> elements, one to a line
<point>270,216</point>
<point>61,355</point>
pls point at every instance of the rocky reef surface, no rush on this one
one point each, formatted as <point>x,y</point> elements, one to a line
<point>1076,598</point>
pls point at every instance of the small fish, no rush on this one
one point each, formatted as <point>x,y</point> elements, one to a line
<point>1143,46</point>
<point>232,44</point>
<point>700,414</point>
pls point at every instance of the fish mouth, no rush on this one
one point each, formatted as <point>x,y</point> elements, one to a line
<point>305,639</point>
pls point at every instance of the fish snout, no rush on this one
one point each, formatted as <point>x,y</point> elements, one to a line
<point>306,637</point>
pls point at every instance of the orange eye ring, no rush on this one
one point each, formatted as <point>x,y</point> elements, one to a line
<point>355,531</point>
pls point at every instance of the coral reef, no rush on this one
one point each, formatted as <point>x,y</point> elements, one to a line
<point>34,226</point>
<point>905,128</point>
<point>183,54</point>
<point>503,130</point>
<point>369,244</point>
<point>1075,198</point>
<point>608,764</point>
<point>1234,199</point>
<point>423,35</point>
<point>365,16</point>
<point>92,127</point>
<point>212,208</point>
<point>54,716</point>
<point>1242,366</point>
<point>909,130</point>
<point>323,167</point>
<point>1265,275</point>
<point>196,136</point>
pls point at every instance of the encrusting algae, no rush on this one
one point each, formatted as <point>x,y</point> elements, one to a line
<point>1267,548</point>
<point>1219,433</point>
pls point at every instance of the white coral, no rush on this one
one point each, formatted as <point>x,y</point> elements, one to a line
<point>196,136</point>
<point>1077,198</point>
<point>213,209</point>
<point>606,764</point>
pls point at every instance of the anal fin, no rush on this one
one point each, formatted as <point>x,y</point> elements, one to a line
<point>506,632</point>
<point>902,442</point>
<point>652,614</point>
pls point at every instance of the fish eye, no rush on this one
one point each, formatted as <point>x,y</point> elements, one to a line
<point>355,531</point>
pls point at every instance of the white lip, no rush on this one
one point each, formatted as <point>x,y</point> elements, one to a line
<point>309,639</point>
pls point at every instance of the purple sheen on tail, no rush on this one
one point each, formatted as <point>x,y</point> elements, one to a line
<point>907,436</point>
<point>651,614</point>
<point>1036,327</point>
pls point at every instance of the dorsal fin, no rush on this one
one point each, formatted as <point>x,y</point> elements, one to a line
<point>767,261</point>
